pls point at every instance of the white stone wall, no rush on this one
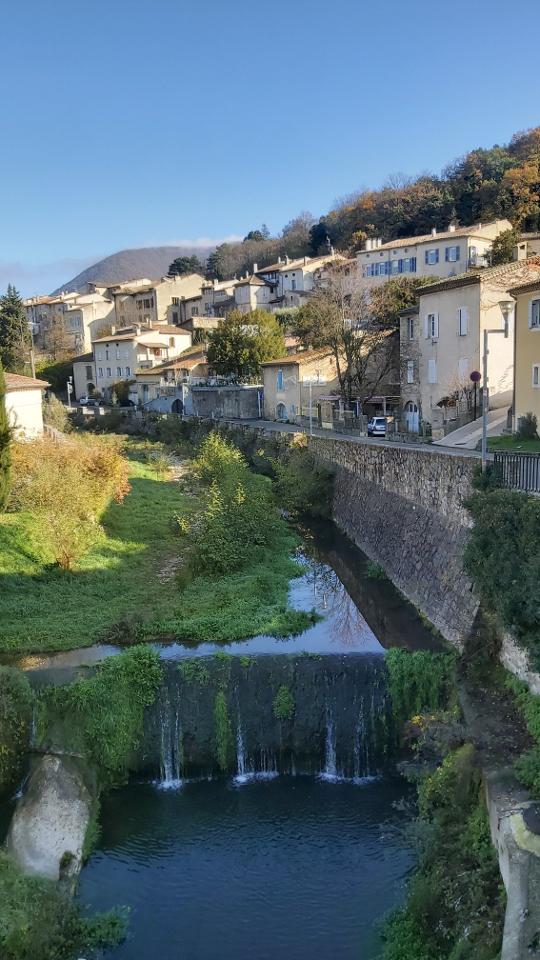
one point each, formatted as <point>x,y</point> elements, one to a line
<point>25,411</point>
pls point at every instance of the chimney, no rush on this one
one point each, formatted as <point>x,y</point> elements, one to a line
<point>332,250</point>
<point>255,267</point>
<point>287,260</point>
<point>113,328</point>
<point>138,329</point>
<point>451,228</point>
<point>279,259</point>
<point>434,231</point>
<point>368,243</point>
<point>215,282</point>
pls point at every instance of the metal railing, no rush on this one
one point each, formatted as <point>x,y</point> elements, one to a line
<point>519,471</point>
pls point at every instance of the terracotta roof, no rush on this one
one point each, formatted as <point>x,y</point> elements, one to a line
<point>305,356</point>
<point>84,358</point>
<point>252,281</point>
<point>528,287</point>
<point>14,381</point>
<point>475,231</point>
<point>485,273</point>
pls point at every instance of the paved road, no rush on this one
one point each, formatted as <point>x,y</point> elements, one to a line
<point>427,448</point>
<point>468,436</point>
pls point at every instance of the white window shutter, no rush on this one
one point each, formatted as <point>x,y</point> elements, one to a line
<point>530,313</point>
<point>436,326</point>
<point>426,326</point>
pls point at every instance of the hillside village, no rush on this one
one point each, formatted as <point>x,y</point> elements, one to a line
<point>152,336</point>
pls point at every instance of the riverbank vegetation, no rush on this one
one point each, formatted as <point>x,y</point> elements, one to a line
<point>16,701</point>
<point>40,921</point>
<point>455,902</point>
<point>101,717</point>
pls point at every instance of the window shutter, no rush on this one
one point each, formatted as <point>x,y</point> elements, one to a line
<point>458,253</point>
<point>436,330</point>
<point>447,253</point>
<point>426,257</point>
<point>400,266</point>
<point>432,370</point>
<point>426,326</point>
<point>437,255</point>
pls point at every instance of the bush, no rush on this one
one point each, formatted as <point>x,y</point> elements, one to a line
<point>284,705</point>
<point>39,921</point>
<point>223,730</point>
<point>56,374</point>
<point>502,559</point>
<point>102,717</point>
<point>527,427</point>
<point>16,700</point>
<point>302,485</point>
<point>217,459</point>
<point>55,414</point>
<point>66,487</point>
<point>420,682</point>
<point>528,765</point>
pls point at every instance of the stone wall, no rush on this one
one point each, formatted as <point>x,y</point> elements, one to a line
<point>405,509</point>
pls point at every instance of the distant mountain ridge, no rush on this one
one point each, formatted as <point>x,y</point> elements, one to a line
<point>151,262</point>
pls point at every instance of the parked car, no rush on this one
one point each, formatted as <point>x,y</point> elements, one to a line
<point>376,427</point>
<point>88,401</point>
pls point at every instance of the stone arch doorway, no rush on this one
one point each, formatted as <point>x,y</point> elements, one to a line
<point>411,417</point>
<point>281,411</point>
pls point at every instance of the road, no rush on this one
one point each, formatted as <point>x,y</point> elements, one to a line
<point>427,448</point>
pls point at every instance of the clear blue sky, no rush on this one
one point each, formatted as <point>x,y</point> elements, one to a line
<point>139,123</point>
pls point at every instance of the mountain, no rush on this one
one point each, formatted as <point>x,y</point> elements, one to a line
<point>151,262</point>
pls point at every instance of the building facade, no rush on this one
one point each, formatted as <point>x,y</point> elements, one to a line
<point>24,405</point>
<point>291,382</point>
<point>527,349</point>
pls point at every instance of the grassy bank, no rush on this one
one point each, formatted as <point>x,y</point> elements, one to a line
<point>513,444</point>
<point>125,588</point>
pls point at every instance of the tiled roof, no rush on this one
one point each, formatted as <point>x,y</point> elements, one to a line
<point>522,268</point>
<point>305,356</point>
<point>477,230</point>
<point>84,358</point>
<point>14,381</point>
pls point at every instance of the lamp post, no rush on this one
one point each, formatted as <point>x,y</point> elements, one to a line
<point>506,308</point>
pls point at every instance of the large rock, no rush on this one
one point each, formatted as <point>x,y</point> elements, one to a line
<point>49,825</point>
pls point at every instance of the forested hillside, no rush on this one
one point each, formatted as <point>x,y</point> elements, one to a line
<point>485,184</point>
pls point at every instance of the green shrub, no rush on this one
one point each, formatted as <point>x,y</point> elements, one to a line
<point>528,765</point>
<point>39,921</point>
<point>194,671</point>
<point>284,705</point>
<point>102,716</point>
<point>55,414</point>
<point>216,459</point>
<point>419,682</point>
<point>302,484</point>
<point>503,561</point>
<point>527,427</point>
<point>16,701</point>
<point>375,571</point>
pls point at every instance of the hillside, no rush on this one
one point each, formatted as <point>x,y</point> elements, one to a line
<point>151,262</point>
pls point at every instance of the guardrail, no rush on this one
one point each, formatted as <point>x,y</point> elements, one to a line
<point>519,471</point>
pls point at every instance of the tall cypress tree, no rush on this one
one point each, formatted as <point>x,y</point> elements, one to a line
<point>14,331</point>
<point>5,445</point>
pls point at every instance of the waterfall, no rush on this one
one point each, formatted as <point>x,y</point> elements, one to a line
<point>242,773</point>
<point>170,742</point>
<point>330,769</point>
<point>247,772</point>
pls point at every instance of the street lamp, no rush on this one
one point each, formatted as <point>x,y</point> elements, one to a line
<point>506,309</point>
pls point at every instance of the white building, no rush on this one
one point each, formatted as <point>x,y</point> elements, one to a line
<point>435,254</point>
<point>24,397</point>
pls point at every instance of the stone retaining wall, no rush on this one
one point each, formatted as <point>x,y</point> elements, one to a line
<point>405,509</point>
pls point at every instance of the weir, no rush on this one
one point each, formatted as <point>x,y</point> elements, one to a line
<point>327,716</point>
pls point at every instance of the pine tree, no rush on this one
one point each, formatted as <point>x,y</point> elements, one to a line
<point>14,331</point>
<point>5,445</point>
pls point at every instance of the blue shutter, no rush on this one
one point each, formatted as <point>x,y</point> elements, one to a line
<point>437,255</point>
<point>400,266</point>
<point>426,256</point>
<point>413,264</point>
<point>447,253</point>
<point>458,253</point>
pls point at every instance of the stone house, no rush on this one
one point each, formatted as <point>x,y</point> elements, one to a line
<point>153,302</point>
<point>24,405</point>
<point>436,254</point>
<point>78,316</point>
<point>441,344</point>
<point>166,386</point>
<point>290,382</point>
<point>118,355</point>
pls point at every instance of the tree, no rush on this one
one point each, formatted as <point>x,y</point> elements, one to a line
<point>243,341</point>
<point>502,248</point>
<point>390,298</point>
<point>5,445</point>
<point>183,266</point>
<point>340,317</point>
<point>14,331</point>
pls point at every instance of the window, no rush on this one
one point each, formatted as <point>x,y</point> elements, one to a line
<point>451,254</point>
<point>463,321</point>
<point>107,354</point>
<point>293,284</point>
<point>194,311</point>
<point>89,373</point>
<point>279,380</point>
<point>128,371</point>
<point>410,371</point>
<point>171,341</point>
<point>117,353</point>
<point>432,326</point>
<point>410,328</point>
<point>536,375</point>
<point>534,314</point>
<point>109,372</point>
<point>156,351</point>
<point>149,302</point>
<point>126,354</point>
<point>175,301</point>
<point>119,371</point>
<point>432,370</point>
<point>100,372</point>
<point>99,355</point>
<point>431,256</point>
<point>139,304</point>
<point>175,316</point>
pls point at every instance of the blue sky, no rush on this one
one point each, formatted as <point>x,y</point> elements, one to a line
<point>133,124</point>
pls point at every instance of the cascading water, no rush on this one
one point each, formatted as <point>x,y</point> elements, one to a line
<point>171,747</point>
<point>266,769</point>
<point>330,768</point>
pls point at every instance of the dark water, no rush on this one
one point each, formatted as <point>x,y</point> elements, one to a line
<point>292,868</point>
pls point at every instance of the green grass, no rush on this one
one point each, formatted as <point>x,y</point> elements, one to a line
<point>123,590</point>
<point>513,444</point>
<point>43,608</point>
